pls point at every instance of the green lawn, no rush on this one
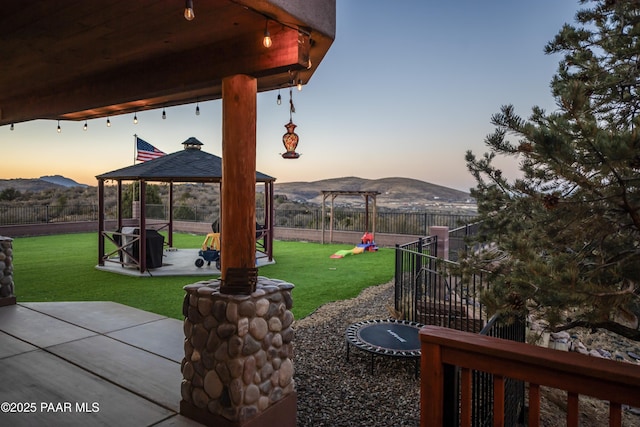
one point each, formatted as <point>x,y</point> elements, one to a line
<point>62,268</point>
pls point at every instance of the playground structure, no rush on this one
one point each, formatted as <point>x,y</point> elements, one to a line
<point>335,193</point>
<point>367,244</point>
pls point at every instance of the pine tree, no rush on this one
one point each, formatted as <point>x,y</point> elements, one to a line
<point>566,234</point>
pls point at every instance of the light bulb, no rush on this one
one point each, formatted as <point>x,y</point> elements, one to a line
<point>11,126</point>
<point>197,110</point>
<point>266,41</point>
<point>108,122</point>
<point>164,114</point>
<point>188,11</point>
<point>279,99</point>
<point>59,128</point>
<point>85,125</point>
<point>135,118</point>
<point>299,84</point>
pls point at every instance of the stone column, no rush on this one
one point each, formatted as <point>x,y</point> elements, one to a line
<point>7,296</point>
<point>238,369</point>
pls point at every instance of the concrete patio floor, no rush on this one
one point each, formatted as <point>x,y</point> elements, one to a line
<point>177,262</point>
<point>88,364</point>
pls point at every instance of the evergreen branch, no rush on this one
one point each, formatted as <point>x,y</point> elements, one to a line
<point>610,325</point>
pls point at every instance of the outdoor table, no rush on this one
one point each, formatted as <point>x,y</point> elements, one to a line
<point>386,337</point>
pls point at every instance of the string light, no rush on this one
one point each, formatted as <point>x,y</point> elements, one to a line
<point>108,122</point>
<point>299,84</point>
<point>11,126</point>
<point>85,126</point>
<point>59,128</point>
<point>164,114</point>
<point>135,118</point>
<point>188,10</point>
<point>197,109</point>
<point>279,99</point>
<point>266,41</point>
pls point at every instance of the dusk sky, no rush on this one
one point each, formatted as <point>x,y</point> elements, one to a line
<point>407,87</point>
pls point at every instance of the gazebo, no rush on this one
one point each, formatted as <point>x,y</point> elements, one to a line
<point>191,165</point>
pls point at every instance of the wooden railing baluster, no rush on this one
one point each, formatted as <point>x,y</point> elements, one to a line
<point>498,401</point>
<point>465,397</point>
<point>615,414</point>
<point>573,410</point>
<point>534,405</point>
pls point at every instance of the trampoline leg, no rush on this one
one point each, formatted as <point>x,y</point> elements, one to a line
<point>371,363</point>
<point>347,344</point>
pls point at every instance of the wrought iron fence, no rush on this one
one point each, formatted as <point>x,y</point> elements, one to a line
<point>428,291</point>
<point>458,239</point>
<point>11,214</point>
<point>414,223</point>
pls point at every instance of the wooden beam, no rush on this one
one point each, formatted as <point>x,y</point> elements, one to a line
<point>164,81</point>
<point>238,195</point>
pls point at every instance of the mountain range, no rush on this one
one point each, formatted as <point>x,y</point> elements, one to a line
<point>394,192</point>
<point>46,182</point>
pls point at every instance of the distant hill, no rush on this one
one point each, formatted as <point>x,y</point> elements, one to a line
<point>39,184</point>
<point>61,180</point>
<point>394,192</point>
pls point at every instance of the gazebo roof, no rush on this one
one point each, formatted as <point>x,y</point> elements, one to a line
<point>188,165</point>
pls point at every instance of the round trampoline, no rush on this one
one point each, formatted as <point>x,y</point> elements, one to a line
<point>385,337</point>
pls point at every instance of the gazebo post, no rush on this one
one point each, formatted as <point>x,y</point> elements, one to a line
<point>170,232</point>
<point>142,231</point>
<point>238,233</point>
<point>268,216</point>
<point>119,205</point>
<point>100,222</point>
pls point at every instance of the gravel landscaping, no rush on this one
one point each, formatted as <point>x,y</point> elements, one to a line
<point>334,392</point>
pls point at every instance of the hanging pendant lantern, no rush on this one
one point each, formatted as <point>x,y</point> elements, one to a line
<point>290,141</point>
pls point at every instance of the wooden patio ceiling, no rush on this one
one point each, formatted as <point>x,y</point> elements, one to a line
<point>84,59</point>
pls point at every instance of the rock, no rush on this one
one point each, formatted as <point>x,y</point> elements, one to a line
<point>275,324</point>
<point>250,345</point>
<point>286,373</point>
<point>251,394</point>
<point>200,398</point>
<point>262,306</point>
<point>258,328</point>
<point>247,309</point>
<point>213,385</point>
<point>562,335</point>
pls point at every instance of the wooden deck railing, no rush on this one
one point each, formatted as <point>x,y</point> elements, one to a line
<point>442,348</point>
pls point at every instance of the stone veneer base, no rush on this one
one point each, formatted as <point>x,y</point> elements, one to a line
<point>280,414</point>
<point>7,301</point>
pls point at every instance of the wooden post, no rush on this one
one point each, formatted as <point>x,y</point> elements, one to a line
<point>170,232</point>
<point>238,195</point>
<point>100,222</point>
<point>142,230</point>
